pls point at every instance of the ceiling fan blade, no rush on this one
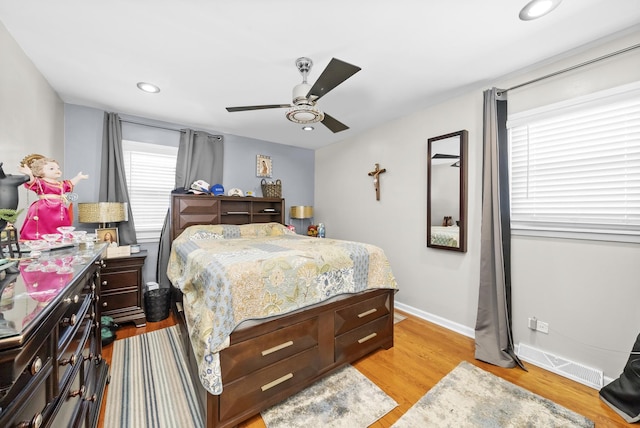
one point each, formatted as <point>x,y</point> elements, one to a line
<point>336,72</point>
<point>263,107</point>
<point>333,124</point>
<point>444,156</point>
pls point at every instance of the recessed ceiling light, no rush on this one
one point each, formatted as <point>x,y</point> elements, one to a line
<point>148,87</point>
<point>307,128</point>
<point>537,8</point>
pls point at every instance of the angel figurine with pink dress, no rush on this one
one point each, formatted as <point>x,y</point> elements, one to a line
<point>51,210</point>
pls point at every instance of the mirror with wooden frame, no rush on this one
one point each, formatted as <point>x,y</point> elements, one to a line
<point>447,192</point>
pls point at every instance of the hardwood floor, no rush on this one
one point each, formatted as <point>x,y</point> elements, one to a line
<point>423,353</point>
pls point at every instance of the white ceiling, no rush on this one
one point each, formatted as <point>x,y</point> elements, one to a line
<point>207,55</point>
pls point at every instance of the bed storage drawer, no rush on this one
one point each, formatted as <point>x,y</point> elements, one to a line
<point>361,313</point>
<point>248,356</point>
<point>363,340</point>
<point>248,392</point>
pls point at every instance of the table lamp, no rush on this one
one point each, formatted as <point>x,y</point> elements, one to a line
<point>102,212</point>
<point>301,212</point>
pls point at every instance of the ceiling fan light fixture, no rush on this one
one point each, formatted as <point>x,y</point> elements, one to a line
<point>304,114</point>
<point>308,128</point>
<point>538,8</point>
<point>148,87</point>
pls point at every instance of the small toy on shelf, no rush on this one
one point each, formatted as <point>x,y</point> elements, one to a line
<point>312,230</point>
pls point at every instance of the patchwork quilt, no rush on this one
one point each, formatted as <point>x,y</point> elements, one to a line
<point>231,273</point>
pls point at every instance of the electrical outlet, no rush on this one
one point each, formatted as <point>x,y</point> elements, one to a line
<point>542,327</point>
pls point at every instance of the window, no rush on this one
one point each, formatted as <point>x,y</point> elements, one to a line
<point>150,171</point>
<point>575,167</point>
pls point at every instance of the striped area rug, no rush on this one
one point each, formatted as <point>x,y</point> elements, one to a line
<point>150,385</point>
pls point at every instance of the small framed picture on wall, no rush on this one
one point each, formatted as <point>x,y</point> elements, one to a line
<point>263,166</point>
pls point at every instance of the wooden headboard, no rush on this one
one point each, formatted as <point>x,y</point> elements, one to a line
<point>189,209</point>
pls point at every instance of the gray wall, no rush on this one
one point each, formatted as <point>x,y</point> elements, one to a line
<point>30,113</point>
<point>83,140</point>
<point>586,290</point>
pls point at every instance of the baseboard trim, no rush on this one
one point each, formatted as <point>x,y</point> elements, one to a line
<point>443,322</point>
<point>453,326</point>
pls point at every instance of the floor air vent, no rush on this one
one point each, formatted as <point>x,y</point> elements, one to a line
<point>569,369</point>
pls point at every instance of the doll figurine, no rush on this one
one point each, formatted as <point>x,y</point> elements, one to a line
<point>51,210</point>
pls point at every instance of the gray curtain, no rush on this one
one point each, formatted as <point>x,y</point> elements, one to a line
<point>200,157</point>
<point>493,336</point>
<point>113,181</point>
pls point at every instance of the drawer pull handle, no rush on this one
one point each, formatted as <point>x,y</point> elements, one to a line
<point>369,337</point>
<point>74,300</point>
<point>71,360</point>
<point>276,382</point>
<point>77,392</point>
<point>69,321</point>
<point>104,304</point>
<point>36,366</point>
<point>36,422</point>
<point>276,348</point>
<point>369,312</point>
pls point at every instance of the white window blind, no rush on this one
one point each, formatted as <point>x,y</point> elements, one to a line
<point>150,171</point>
<point>575,166</point>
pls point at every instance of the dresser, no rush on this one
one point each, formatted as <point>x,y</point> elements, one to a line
<point>121,288</point>
<point>51,369</point>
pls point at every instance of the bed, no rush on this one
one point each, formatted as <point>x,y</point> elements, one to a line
<point>264,312</point>
<point>447,236</point>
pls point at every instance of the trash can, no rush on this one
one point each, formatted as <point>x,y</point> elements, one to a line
<point>157,302</point>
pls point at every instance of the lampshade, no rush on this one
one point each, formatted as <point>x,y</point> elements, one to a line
<point>102,212</point>
<point>301,211</point>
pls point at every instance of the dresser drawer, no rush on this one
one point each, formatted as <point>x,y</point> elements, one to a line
<point>21,370</point>
<point>74,353</point>
<point>245,357</point>
<point>240,396</point>
<point>71,400</point>
<point>363,340</point>
<point>361,313</point>
<point>119,279</point>
<point>31,405</point>
<point>118,300</point>
<point>72,319</point>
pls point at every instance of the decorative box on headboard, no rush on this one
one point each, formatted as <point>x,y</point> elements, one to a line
<point>188,210</point>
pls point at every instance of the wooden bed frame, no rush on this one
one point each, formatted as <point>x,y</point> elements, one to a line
<point>269,361</point>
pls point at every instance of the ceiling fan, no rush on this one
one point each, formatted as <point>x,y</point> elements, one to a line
<point>443,157</point>
<point>303,109</point>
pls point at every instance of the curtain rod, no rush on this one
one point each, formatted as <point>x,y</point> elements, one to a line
<point>571,68</point>
<point>151,126</point>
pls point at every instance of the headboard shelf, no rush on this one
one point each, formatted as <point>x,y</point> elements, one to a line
<point>188,210</point>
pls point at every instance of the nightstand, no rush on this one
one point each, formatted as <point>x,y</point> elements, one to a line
<point>121,280</point>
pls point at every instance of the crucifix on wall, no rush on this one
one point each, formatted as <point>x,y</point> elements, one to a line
<point>376,179</point>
